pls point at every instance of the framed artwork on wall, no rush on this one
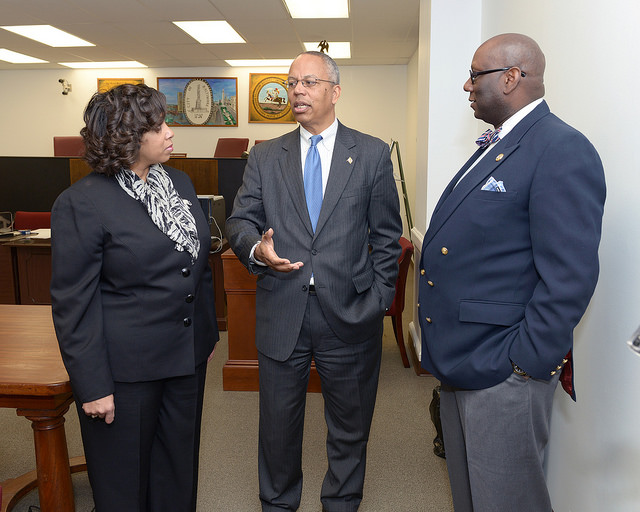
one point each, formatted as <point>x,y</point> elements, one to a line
<point>200,101</point>
<point>268,102</point>
<point>104,84</point>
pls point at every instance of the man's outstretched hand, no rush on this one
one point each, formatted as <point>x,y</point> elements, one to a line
<point>265,252</point>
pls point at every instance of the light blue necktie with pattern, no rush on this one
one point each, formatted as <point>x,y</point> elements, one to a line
<point>313,181</point>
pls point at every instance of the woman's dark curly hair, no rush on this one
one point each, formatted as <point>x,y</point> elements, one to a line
<point>115,122</point>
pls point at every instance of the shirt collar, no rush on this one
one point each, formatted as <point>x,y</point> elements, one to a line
<point>328,135</point>
<point>510,123</point>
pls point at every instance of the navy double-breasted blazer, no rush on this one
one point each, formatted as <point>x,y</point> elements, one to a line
<point>127,306</point>
<point>506,276</point>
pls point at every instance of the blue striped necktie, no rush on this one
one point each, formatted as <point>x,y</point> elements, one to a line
<point>313,181</point>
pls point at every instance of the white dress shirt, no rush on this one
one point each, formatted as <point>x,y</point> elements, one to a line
<point>325,150</point>
<point>507,126</point>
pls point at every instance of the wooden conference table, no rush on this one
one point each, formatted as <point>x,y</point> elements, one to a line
<point>34,382</point>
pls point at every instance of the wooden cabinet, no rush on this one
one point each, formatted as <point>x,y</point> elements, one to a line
<point>25,275</point>
<point>240,372</point>
<point>25,265</point>
<point>7,279</point>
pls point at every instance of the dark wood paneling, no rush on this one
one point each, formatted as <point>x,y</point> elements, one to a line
<point>7,280</point>
<point>78,168</point>
<point>202,171</point>
<point>34,273</point>
<point>32,183</point>
<point>230,174</point>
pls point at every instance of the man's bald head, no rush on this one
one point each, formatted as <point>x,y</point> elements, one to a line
<point>521,51</point>
<point>509,75</point>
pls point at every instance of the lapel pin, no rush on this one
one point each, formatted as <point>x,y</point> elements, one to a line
<point>350,160</point>
<point>499,157</point>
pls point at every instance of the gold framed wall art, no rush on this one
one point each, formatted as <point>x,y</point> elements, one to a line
<point>200,101</point>
<point>268,102</point>
<point>104,84</point>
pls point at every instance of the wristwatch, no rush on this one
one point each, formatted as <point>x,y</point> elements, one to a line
<point>519,371</point>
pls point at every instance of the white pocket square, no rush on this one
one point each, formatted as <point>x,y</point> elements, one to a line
<point>494,186</point>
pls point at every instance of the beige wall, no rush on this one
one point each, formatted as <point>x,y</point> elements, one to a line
<point>591,47</point>
<point>373,100</point>
<point>592,83</point>
<point>34,109</point>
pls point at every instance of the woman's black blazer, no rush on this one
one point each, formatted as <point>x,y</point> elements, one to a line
<point>127,306</point>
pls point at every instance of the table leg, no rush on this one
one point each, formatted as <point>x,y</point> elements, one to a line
<point>52,459</point>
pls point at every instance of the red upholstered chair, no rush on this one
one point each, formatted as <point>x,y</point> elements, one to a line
<point>68,146</point>
<point>229,147</point>
<point>397,306</point>
<point>258,141</point>
<point>32,220</point>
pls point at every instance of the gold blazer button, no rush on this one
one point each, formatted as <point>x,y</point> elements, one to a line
<point>444,251</point>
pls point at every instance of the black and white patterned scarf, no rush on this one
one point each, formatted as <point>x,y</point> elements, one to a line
<point>166,208</point>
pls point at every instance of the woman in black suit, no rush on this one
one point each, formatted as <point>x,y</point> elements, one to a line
<point>133,306</point>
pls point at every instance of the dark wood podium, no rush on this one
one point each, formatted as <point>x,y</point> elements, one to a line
<point>240,372</point>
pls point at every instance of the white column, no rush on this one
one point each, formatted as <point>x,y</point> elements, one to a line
<point>446,128</point>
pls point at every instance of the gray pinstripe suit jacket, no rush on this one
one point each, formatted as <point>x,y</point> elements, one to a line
<point>360,210</point>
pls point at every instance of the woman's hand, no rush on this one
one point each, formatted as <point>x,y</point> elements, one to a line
<point>101,408</point>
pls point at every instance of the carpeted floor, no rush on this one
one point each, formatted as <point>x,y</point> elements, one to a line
<point>403,474</point>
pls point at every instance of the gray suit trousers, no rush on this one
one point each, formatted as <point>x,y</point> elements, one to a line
<point>349,378</point>
<point>495,440</point>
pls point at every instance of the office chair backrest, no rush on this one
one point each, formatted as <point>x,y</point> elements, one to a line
<point>32,220</point>
<point>229,147</point>
<point>404,261</point>
<point>68,146</point>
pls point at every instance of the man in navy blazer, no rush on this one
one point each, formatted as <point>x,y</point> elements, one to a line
<point>322,288</point>
<point>509,264</point>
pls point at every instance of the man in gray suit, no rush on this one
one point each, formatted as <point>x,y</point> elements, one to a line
<point>326,269</point>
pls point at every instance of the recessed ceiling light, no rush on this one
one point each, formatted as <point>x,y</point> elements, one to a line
<point>18,58</point>
<point>337,50</point>
<point>210,32</point>
<point>103,65</point>
<point>238,63</point>
<point>48,35</point>
<point>323,9</point>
